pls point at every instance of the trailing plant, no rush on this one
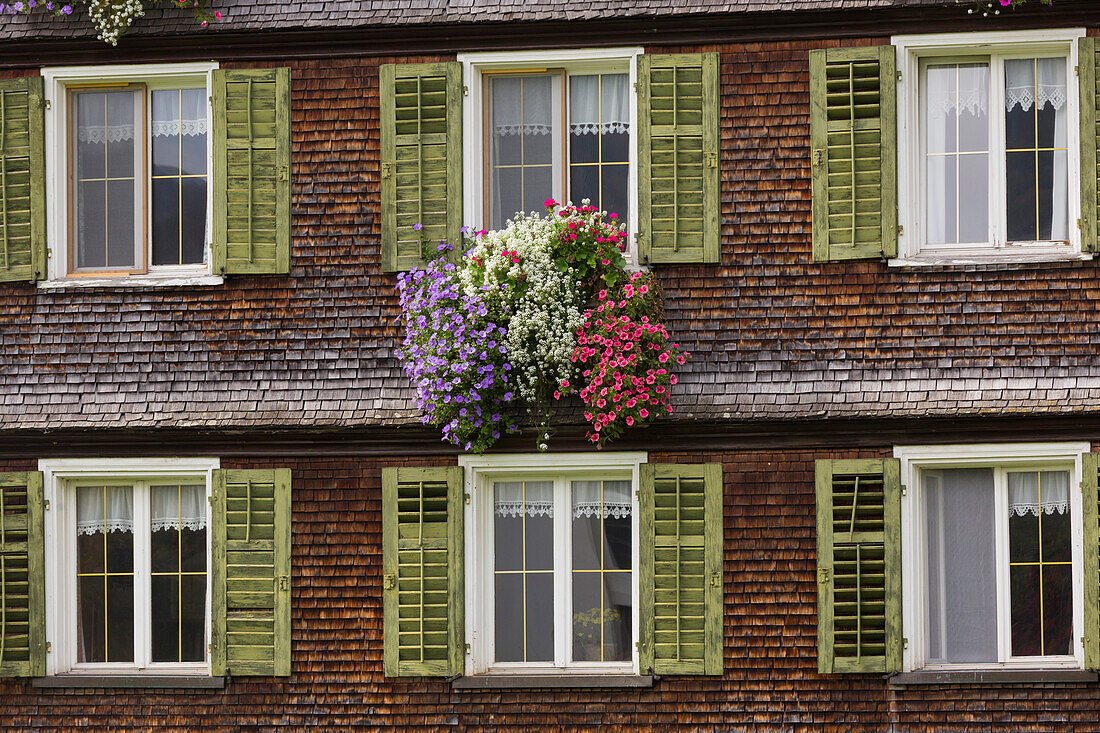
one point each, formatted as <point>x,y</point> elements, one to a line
<point>626,360</point>
<point>112,18</point>
<point>589,244</point>
<point>993,7</point>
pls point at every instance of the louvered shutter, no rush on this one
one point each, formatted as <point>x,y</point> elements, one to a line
<point>22,180</point>
<point>680,570</point>
<point>421,106</point>
<point>422,596</point>
<point>1090,133</point>
<point>859,566</point>
<point>853,123</point>
<point>251,583</point>
<point>1090,513</point>
<point>678,206</point>
<point>251,171</point>
<point>22,576</point>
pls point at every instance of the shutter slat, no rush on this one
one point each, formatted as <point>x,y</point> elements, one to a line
<point>859,565</point>
<point>251,585</point>
<point>22,179</point>
<point>421,108</point>
<point>678,158</point>
<point>251,172</point>
<point>681,568</point>
<point>422,567</point>
<point>852,134</point>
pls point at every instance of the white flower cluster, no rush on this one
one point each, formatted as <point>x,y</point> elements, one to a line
<point>113,17</point>
<point>512,270</point>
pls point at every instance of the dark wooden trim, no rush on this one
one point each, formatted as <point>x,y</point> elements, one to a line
<point>112,681</point>
<point>383,40</point>
<point>511,682</point>
<point>711,435</point>
<point>994,677</point>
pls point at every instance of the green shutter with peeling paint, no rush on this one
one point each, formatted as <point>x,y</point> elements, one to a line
<point>678,207</point>
<point>421,109</point>
<point>859,566</point>
<point>22,180</point>
<point>422,572</point>
<point>251,173</point>
<point>22,576</point>
<point>680,573</point>
<point>1090,133</point>
<point>853,151</point>
<point>1090,513</point>
<point>251,573</point>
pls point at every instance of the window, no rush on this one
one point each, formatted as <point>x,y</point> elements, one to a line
<point>554,583</point>
<point>128,561</point>
<point>992,557</point>
<point>555,125</point>
<point>988,163</point>
<point>134,168</point>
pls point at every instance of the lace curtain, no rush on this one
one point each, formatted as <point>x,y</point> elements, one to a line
<point>522,105</point>
<point>1035,81</point>
<point>111,508</point>
<point>536,499</point>
<point>177,112</point>
<point>593,110</point>
<point>962,88</point>
<point>1024,493</point>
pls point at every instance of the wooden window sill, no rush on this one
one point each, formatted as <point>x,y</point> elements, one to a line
<point>993,677</point>
<point>516,681</point>
<point>104,681</point>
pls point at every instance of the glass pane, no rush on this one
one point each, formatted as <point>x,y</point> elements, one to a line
<point>524,570</point>
<point>584,183</point>
<point>602,560</point>
<point>178,536</point>
<point>961,565</point>
<point>1040,562</point>
<point>179,128</point>
<point>166,221</point>
<point>955,110</point>
<point>106,182</point>
<point>105,574</point>
<point>524,143</point>
<point>613,191</point>
<point>193,220</point>
<point>165,617</point>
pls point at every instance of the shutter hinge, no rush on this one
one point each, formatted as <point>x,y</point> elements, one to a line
<point>1079,223</point>
<point>389,581</point>
<point>49,647</point>
<point>901,230</point>
<point>904,489</point>
<point>819,156</point>
<point>904,643</point>
<point>46,504</point>
<point>210,647</point>
<point>466,497</point>
<point>284,582</point>
<point>467,648</point>
<point>1077,70</point>
<point>465,90</point>
<point>638,645</point>
<point>823,575</point>
<point>284,172</point>
<point>715,580</point>
<point>387,170</point>
<point>711,159</point>
<point>899,76</point>
<point>47,104</point>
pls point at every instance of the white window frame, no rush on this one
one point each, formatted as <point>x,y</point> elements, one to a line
<point>480,473</point>
<point>60,477</point>
<point>1014,456</point>
<point>911,50</point>
<point>154,76</point>
<point>590,60</point>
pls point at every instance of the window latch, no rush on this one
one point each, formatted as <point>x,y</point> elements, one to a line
<point>389,581</point>
<point>387,170</point>
<point>819,156</point>
<point>712,159</point>
<point>284,582</point>
<point>715,580</point>
<point>823,575</point>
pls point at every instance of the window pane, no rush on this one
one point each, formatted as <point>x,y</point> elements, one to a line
<point>955,104</point>
<point>106,178</point>
<point>961,567</point>
<point>179,128</point>
<point>1040,562</point>
<point>1036,156</point>
<point>524,571</point>
<point>601,573</point>
<point>599,140</point>
<point>178,586</point>
<point>105,574</point>
<point>524,143</point>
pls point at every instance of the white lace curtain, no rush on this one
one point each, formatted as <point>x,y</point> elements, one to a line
<point>962,88</point>
<point>536,499</point>
<point>178,112</point>
<point>111,508</point>
<point>1035,81</point>
<point>522,105</point>
<point>1045,492</point>
<point>593,110</point>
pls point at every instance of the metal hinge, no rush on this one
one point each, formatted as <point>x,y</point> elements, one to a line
<point>901,230</point>
<point>284,172</point>
<point>711,159</point>
<point>467,648</point>
<point>819,156</point>
<point>899,76</point>
<point>46,504</point>
<point>467,497</point>
<point>47,104</point>
<point>389,581</point>
<point>465,90</point>
<point>904,643</point>
<point>284,582</point>
<point>387,170</point>
<point>823,575</point>
<point>1077,71</point>
<point>904,489</point>
<point>715,580</point>
<point>1079,223</point>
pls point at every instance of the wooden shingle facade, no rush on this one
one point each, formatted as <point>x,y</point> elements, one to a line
<point>812,375</point>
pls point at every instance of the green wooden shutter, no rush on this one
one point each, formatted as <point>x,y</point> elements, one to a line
<point>853,124</point>
<point>681,568</point>
<point>22,576</point>
<point>22,180</point>
<point>859,566</point>
<point>1090,101</point>
<point>678,206</point>
<point>251,583</point>
<point>421,107</point>
<point>251,171</point>
<point>1090,498</point>
<point>422,596</point>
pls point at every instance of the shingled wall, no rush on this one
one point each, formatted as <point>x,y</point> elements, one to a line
<point>774,335</point>
<point>770,680</point>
